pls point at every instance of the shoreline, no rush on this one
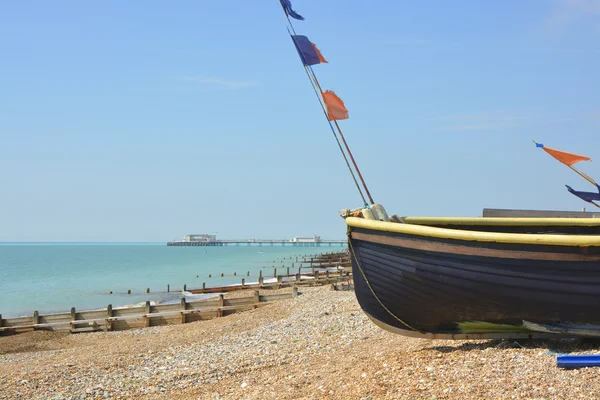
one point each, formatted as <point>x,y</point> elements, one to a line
<point>319,345</point>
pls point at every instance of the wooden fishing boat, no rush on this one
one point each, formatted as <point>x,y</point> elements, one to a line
<point>434,282</point>
<point>466,278</point>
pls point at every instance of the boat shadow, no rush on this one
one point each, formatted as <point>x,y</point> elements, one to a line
<point>552,346</point>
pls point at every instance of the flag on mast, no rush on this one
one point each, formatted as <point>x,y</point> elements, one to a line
<point>287,7</point>
<point>335,106</point>
<point>563,156</point>
<point>309,53</point>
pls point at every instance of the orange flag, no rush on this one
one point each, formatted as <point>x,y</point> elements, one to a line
<point>321,58</point>
<point>335,106</point>
<point>564,157</point>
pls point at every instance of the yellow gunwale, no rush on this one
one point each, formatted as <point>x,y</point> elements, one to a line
<point>493,221</point>
<point>478,236</point>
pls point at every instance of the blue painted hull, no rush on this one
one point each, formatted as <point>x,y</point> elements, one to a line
<point>432,287</point>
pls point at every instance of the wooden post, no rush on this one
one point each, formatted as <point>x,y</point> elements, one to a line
<point>256,296</point>
<point>36,317</point>
<point>146,318</point>
<point>73,314</point>
<point>260,273</point>
<point>297,277</point>
<point>260,281</point>
<point>274,272</point>
<point>184,287</point>
<point>0,320</point>
<point>219,310</point>
<point>109,314</point>
<point>295,292</point>
<point>279,281</point>
<point>203,285</point>
<point>248,273</point>
<point>288,271</point>
<point>168,288</point>
<point>243,282</point>
<point>183,308</point>
<point>316,277</point>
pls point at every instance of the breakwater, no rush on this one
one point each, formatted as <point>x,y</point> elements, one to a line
<point>326,269</point>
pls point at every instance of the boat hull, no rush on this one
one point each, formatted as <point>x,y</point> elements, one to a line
<point>445,287</point>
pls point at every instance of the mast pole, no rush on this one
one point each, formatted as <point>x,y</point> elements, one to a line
<point>313,78</point>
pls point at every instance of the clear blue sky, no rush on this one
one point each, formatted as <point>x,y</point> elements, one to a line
<point>148,120</point>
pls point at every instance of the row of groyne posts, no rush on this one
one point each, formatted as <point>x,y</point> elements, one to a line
<point>122,318</point>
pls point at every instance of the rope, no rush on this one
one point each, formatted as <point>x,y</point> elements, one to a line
<point>371,287</point>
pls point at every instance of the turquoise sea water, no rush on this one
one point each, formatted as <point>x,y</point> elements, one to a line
<point>52,277</point>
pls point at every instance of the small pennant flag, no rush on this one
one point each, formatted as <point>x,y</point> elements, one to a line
<point>563,156</point>
<point>309,53</point>
<point>335,106</point>
<point>586,196</point>
<point>287,6</point>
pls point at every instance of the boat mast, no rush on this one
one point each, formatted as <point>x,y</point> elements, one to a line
<point>319,93</point>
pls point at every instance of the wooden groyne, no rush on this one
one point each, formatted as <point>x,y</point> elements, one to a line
<point>115,319</point>
<point>324,269</point>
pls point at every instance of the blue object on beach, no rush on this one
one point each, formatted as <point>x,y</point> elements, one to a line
<point>578,361</point>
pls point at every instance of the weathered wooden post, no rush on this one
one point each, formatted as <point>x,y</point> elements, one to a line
<point>168,288</point>
<point>274,272</point>
<point>295,292</point>
<point>260,273</point>
<point>248,273</point>
<point>109,314</point>
<point>256,296</point>
<point>36,317</point>
<point>316,277</point>
<point>288,271</point>
<point>297,277</point>
<point>243,282</point>
<point>260,281</point>
<point>279,281</point>
<point>203,285</point>
<point>184,287</point>
<point>183,308</point>
<point>146,316</point>
<point>220,309</point>
<point>73,314</point>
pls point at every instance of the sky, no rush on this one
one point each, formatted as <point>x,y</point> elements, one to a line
<point>149,120</point>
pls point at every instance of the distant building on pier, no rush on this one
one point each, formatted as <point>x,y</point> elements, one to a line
<point>199,237</point>
<point>314,239</point>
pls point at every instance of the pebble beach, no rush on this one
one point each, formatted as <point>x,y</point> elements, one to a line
<point>317,346</point>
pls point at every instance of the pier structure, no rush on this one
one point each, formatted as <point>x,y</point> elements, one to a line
<point>211,240</point>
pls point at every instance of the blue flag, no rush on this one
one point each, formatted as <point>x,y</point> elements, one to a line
<point>586,196</point>
<point>309,53</point>
<point>287,6</point>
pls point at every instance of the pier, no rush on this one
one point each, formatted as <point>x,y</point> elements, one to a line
<point>211,240</point>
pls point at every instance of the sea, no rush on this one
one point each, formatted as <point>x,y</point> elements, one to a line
<point>53,277</point>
